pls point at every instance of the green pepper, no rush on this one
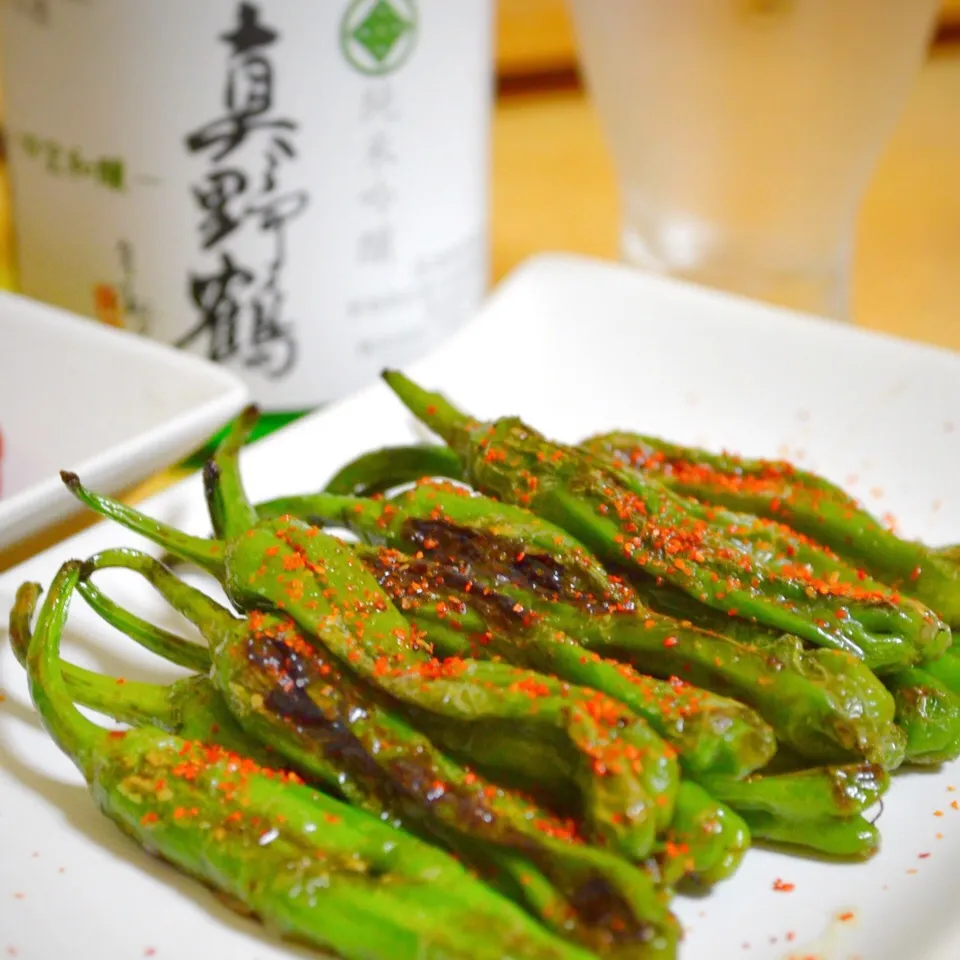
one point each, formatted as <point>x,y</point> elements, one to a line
<point>849,838</point>
<point>809,794</point>
<point>706,841</point>
<point>334,730</point>
<point>929,714</point>
<point>312,868</point>
<point>800,499</point>
<point>596,900</point>
<point>825,703</point>
<point>626,775</point>
<point>946,669</point>
<point>710,733</point>
<point>737,563</point>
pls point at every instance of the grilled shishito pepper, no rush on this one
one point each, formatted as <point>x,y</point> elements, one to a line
<point>334,730</point>
<point>783,492</point>
<point>309,866</point>
<point>469,583</point>
<point>583,894</point>
<point>929,714</point>
<point>826,704</point>
<point>627,775</point>
<point>810,794</point>
<point>745,566</point>
<point>463,619</point>
<point>849,838</point>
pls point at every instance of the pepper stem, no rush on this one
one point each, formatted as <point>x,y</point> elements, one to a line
<point>230,510</point>
<point>206,554</point>
<point>125,700</point>
<point>169,646</point>
<point>327,509</point>
<point>381,470</point>
<point>77,736</point>
<point>432,409</point>
<point>213,621</point>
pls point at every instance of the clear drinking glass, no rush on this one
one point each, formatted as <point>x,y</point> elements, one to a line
<point>745,132</point>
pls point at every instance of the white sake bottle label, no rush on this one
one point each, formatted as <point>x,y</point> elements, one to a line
<point>294,188</point>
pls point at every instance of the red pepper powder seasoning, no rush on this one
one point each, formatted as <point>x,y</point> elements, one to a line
<point>782,886</point>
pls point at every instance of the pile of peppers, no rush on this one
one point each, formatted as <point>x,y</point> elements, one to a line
<point>503,697</point>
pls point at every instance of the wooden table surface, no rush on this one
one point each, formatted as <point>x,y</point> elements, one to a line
<point>553,189</point>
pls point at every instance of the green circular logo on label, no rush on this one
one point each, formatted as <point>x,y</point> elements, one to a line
<point>377,36</point>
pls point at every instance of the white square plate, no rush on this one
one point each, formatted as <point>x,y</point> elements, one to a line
<point>79,395</point>
<point>573,346</point>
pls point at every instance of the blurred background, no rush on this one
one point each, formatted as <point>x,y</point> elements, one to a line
<point>548,143</point>
<point>553,184</point>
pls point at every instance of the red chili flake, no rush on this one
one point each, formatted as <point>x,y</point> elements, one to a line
<point>915,573</point>
<point>431,410</point>
<point>116,734</point>
<point>922,856</point>
<point>670,642</point>
<point>791,936</point>
<point>781,886</point>
<point>149,951</point>
<point>531,687</point>
<point>846,916</point>
<point>149,817</point>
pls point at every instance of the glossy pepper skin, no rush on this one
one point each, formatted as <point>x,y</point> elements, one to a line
<point>652,930</point>
<point>583,894</point>
<point>461,618</point>
<point>707,838</point>
<point>312,868</point>
<point>480,575</point>
<point>740,564</point>
<point>329,594</point>
<point>824,703</point>
<point>704,843</point>
<point>627,776</point>
<point>847,838</point>
<point>333,730</point>
<point>814,793</point>
<point>800,499</point>
<point>929,714</point>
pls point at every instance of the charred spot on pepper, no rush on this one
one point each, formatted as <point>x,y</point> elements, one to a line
<point>599,905</point>
<point>290,676</point>
<point>493,558</point>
